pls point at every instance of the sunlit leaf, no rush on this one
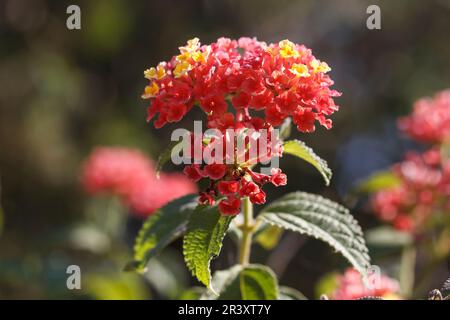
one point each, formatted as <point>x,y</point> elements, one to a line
<point>203,240</point>
<point>327,284</point>
<point>193,293</point>
<point>301,150</point>
<point>322,219</point>
<point>269,236</point>
<point>379,181</point>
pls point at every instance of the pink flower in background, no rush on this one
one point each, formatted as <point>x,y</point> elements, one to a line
<point>129,174</point>
<point>145,198</point>
<point>350,287</point>
<point>115,169</point>
<point>430,119</point>
<point>423,188</point>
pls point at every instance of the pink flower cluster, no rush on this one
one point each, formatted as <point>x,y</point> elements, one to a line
<point>129,174</point>
<point>423,188</point>
<point>424,178</point>
<point>430,119</point>
<point>241,84</point>
<point>351,287</point>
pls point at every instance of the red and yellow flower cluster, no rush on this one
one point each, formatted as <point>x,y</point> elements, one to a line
<point>280,80</point>
<point>130,175</point>
<point>241,84</point>
<point>423,191</point>
<point>351,287</point>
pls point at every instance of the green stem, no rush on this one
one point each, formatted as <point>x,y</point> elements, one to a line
<point>247,232</point>
<point>407,272</point>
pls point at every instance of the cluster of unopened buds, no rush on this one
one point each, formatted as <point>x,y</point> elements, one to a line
<point>131,176</point>
<point>424,178</point>
<point>240,85</point>
<point>233,183</point>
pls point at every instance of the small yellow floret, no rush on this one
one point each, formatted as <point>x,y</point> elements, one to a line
<point>150,91</point>
<point>181,68</point>
<point>287,49</point>
<point>300,70</point>
<point>150,73</point>
<point>155,73</point>
<point>191,46</point>
<point>198,56</point>
<point>193,43</point>
<point>320,66</point>
<point>183,57</point>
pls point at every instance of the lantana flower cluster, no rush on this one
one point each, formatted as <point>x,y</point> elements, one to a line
<point>350,286</point>
<point>241,84</point>
<point>130,175</point>
<point>430,119</point>
<point>424,178</point>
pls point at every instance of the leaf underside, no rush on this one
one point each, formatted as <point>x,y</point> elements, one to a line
<point>322,219</point>
<point>258,282</point>
<point>160,229</point>
<point>252,282</point>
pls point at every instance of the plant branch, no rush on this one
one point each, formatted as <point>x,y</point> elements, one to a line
<point>407,270</point>
<point>247,228</point>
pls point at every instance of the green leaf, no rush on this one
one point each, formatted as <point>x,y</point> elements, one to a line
<point>287,293</point>
<point>388,237</point>
<point>327,284</point>
<point>194,293</point>
<point>268,236</point>
<point>258,283</point>
<point>226,283</point>
<point>252,282</point>
<point>301,150</point>
<point>203,240</point>
<point>160,229</point>
<point>378,181</point>
<point>322,219</point>
<point>167,274</point>
<point>110,285</point>
<point>175,147</point>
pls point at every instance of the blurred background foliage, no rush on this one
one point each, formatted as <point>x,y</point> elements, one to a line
<point>63,92</point>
